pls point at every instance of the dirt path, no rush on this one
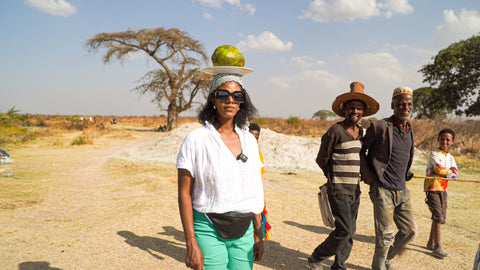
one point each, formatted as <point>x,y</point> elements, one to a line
<point>94,218</point>
<point>77,225</point>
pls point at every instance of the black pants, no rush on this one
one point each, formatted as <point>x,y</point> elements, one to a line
<point>340,241</point>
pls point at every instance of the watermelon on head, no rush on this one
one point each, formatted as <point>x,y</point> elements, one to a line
<point>227,55</point>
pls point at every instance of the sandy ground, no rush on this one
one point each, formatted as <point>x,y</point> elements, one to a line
<point>91,219</point>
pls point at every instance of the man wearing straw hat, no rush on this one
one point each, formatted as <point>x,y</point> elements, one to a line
<point>386,157</point>
<point>339,160</point>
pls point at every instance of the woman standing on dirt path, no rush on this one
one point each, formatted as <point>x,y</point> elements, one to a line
<point>220,190</point>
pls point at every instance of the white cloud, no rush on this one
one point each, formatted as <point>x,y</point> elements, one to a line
<point>397,6</point>
<point>283,82</point>
<point>382,67</point>
<point>218,4</point>
<point>301,94</point>
<point>388,14</point>
<point>350,10</point>
<point>207,16</point>
<point>233,2</point>
<point>308,77</point>
<point>139,55</point>
<point>249,8</point>
<point>340,10</point>
<point>456,27</point>
<point>301,62</point>
<point>54,7</point>
<point>266,41</point>
<point>211,3</point>
<point>423,53</point>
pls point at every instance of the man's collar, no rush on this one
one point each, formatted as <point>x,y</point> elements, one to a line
<point>345,123</point>
<point>441,151</point>
<point>398,124</point>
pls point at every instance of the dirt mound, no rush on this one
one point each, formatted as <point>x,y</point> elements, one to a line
<point>280,151</point>
<point>164,148</point>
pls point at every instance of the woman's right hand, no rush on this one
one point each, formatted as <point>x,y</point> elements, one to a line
<point>194,258</point>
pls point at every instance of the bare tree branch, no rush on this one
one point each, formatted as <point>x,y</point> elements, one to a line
<point>177,83</point>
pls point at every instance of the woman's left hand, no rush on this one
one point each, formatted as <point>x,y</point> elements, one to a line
<point>258,248</point>
<point>258,236</point>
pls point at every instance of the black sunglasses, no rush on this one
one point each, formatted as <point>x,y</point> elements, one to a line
<point>224,95</point>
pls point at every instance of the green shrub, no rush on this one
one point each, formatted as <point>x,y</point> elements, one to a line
<point>11,134</point>
<point>41,122</point>
<point>324,114</point>
<point>294,121</point>
<point>81,140</point>
<point>261,121</point>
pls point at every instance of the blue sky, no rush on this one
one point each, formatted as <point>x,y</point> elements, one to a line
<point>304,53</point>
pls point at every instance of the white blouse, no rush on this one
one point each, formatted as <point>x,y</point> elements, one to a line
<point>222,183</point>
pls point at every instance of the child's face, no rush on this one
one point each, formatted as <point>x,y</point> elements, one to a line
<point>445,140</point>
<point>255,133</point>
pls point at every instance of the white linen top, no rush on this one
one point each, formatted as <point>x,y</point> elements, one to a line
<point>222,183</point>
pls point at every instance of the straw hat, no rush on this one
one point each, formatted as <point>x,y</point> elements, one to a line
<point>357,93</point>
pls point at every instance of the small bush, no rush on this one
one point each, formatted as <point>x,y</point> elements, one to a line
<point>56,142</point>
<point>11,134</point>
<point>294,121</point>
<point>261,121</point>
<point>29,136</point>
<point>81,140</point>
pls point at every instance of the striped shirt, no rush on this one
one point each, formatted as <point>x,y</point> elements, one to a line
<point>339,159</point>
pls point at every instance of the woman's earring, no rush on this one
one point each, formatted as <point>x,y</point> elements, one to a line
<point>214,107</point>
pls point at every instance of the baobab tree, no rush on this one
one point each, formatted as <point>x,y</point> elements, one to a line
<point>176,84</point>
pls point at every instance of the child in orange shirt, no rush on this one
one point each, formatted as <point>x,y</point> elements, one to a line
<point>440,164</point>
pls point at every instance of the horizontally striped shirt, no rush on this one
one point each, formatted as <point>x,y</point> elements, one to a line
<point>339,159</point>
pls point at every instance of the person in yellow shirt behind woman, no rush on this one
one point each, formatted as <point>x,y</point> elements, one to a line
<point>255,130</point>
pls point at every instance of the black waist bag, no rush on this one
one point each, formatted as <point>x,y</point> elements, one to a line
<point>231,225</point>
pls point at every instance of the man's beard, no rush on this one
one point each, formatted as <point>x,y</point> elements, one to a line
<point>354,122</point>
<point>404,118</point>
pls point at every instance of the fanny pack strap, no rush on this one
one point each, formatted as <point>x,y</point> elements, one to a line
<point>231,225</point>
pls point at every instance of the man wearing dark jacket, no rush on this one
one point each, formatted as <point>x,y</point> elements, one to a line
<point>386,157</point>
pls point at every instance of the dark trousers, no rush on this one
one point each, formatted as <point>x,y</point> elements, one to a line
<point>340,241</point>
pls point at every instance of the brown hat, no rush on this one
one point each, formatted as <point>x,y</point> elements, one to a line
<point>356,93</point>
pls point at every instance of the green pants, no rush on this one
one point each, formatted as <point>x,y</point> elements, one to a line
<point>220,253</point>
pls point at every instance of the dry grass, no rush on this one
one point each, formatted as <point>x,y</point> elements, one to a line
<point>300,127</point>
<point>467,135</point>
<point>22,128</point>
<point>426,131</point>
<point>30,127</point>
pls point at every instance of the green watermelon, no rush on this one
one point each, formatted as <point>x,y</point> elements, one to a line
<point>227,55</point>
